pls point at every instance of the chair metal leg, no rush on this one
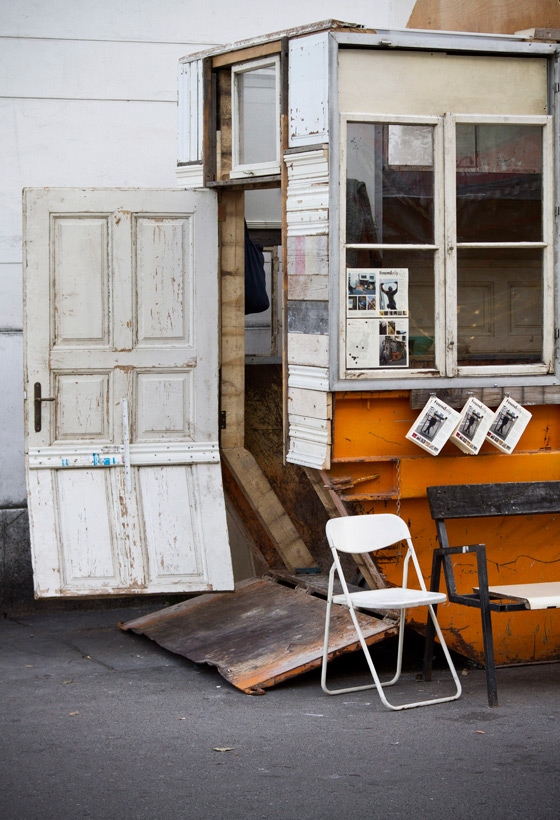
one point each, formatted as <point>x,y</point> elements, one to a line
<point>343,691</point>
<point>430,629</point>
<point>377,683</point>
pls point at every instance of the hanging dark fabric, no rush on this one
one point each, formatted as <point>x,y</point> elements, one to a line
<point>256,297</point>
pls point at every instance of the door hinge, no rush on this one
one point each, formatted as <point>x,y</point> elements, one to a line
<point>557,333</point>
<point>223,420</point>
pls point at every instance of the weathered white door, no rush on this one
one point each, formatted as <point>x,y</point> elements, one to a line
<point>121,381</point>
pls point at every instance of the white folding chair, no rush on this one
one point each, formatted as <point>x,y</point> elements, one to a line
<point>370,533</point>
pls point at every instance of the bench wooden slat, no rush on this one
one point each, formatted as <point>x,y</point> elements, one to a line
<point>486,500</point>
<point>545,595</point>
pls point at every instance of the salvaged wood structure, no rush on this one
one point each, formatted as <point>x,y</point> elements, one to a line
<point>416,230</point>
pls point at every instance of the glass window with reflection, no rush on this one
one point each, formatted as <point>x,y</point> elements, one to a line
<point>256,123</point>
<point>448,247</point>
<point>390,237</point>
<point>499,185</point>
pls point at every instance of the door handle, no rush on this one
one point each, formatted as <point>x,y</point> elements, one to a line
<point>37,399</point>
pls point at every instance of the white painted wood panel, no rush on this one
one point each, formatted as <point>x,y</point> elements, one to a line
<point>124,477</point>
<point>310,442</point>
<point>307,206</point>
<point>372,82</point>
<point>75,285</point>
<point>81,406</point>
<point>164,284</point>
<point>308,349</point>
<point>190,109</point>
<point>312,403</point>
<point>309,378</point>
<point>309,90</point>
<point>308,288</point>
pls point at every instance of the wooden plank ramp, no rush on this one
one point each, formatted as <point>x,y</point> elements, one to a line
<point>261,634</point>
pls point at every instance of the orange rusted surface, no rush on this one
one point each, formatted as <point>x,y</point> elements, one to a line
<point>259,635</point>
<point>369,440</point>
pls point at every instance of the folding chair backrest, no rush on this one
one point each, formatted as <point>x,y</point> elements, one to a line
<point>366,533</point>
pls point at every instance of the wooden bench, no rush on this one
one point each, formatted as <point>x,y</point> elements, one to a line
<point>481,501</point>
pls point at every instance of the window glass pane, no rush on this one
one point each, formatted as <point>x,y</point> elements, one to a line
<point>258,128</point>
<point>390,184</point>
<point>499,306</point>
<point>390,311</point>
<point>499,183</point>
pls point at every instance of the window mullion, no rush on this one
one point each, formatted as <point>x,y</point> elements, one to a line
<point>449,253</point>
<point>548,253</point>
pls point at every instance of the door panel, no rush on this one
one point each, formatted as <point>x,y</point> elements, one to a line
<point>121,332</point>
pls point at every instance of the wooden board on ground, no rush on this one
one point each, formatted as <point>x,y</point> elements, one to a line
<point>258,636</point>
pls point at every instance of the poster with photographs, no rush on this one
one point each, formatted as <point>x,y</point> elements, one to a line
<point>434,426</point>
<point>377,291</point>
<point>377,313</point>
<point>475,421</point>
<point>510,421</point>
<point>376,343</point>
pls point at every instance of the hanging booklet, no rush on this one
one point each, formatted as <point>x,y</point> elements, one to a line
<point>474,423</point>
<point>433,426</point>
<point>510,421</point>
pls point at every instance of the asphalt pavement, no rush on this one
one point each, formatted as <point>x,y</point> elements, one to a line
<point>104,724</point>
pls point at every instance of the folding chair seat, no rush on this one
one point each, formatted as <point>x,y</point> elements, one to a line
<point>366,534</point>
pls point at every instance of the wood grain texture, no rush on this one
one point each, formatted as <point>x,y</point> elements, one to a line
<point>258,636</point>
<point>491,16</point>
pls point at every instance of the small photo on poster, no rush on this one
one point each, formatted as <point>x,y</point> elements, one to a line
<point>393,343</point>
<point>392,287</point>
<point>362,282</point>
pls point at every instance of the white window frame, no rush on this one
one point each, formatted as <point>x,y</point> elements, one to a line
<point>240,170</point>
<point>547,246</point>
<point>445,249</point>
<point>438,248</point>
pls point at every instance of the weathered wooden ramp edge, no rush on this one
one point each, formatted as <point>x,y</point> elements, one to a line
<point>259,635</point>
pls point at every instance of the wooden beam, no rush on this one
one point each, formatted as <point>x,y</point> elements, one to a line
<point>284,144</point>
<point>244,54</point>
<point>209,115</point>
<point>550,34</point>
<point>268,509</point>
<point>335,508</point>
<point>232,278</point>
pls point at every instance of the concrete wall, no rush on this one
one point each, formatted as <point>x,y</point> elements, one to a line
<point>88,98</point>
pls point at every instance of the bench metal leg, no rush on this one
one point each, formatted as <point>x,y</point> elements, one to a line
<point>489,663</point>
<point>442,558</point>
